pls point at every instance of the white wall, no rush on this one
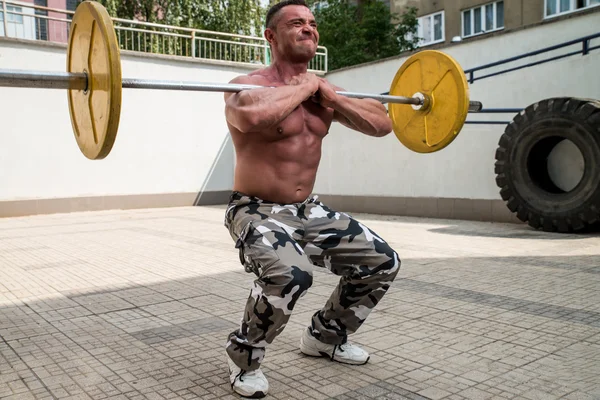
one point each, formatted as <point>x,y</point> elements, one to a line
<point>167,140</point>
<point>354,164</point>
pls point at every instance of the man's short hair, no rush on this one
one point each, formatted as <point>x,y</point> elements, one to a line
<point>270,23</point>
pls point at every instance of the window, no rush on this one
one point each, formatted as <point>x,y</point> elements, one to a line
<point>558,7</point>
<point>10,17</point>
<point>41,23</point>
<point>431,29</point>
<point>482,19</point>
<point>16,18</point>
<point>17,25</point>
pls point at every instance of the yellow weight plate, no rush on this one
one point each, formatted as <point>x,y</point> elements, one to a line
<point>441,79</point>
<point>93,49</point>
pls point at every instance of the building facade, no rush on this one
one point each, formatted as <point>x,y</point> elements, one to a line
<point>444,21</point>
<point>26,22</point>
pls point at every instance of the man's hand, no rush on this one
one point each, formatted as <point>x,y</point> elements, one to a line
<point>309,81</point>
<point>327,95</point>
<point>368,116</point>
<point>260,109</point>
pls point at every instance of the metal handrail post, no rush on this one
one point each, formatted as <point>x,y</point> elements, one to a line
<point>266,53</point>
<point>193,44</point>
<point>5,15</point>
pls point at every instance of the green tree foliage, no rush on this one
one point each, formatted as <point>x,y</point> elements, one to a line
<point>237,16</point>
<point>234,16</point>
<point>355,34</point>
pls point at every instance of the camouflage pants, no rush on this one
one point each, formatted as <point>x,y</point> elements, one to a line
<point>281,244</point>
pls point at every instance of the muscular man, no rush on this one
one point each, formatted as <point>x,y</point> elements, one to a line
<point>281,231</point>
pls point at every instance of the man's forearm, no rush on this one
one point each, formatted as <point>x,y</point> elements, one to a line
<point>364,115</point>
<point>259,109</point>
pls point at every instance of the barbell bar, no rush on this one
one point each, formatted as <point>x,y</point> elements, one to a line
<point>79,81</point>
<point>430,82</point>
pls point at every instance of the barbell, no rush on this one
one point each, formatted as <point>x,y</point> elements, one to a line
<point>431,82</point>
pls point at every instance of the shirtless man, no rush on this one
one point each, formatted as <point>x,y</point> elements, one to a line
<point>281,231</point>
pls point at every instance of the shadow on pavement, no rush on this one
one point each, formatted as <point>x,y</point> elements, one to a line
<point>165,339</point>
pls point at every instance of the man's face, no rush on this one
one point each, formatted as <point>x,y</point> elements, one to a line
<point>295,36</point>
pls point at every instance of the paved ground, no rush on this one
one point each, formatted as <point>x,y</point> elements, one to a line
<point>137,305</point>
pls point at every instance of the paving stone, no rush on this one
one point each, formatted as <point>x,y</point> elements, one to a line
<point>434,393</point>
<point>137,305</point>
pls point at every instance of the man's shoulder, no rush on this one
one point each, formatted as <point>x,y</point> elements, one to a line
<point>257,77</point>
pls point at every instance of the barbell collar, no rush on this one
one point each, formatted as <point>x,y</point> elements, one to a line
<point>475,106</point>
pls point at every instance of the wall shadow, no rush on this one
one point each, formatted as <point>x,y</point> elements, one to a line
<point>217,185</point>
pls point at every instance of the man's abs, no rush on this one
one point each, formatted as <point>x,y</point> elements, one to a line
<point>281,163</point>
<point>282,171</point>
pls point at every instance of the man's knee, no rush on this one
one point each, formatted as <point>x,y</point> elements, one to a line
<point>297,279</point>
<point>289,284</point>
<point>392,260</point>
<point>385,262</point>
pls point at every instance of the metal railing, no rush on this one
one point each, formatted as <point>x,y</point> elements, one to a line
<point>583,46</point>
<point>28,21</point>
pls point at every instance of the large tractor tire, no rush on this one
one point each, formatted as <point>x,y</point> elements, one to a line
<point>530,185</point>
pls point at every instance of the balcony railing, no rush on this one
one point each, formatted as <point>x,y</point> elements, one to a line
<point>28,21</point>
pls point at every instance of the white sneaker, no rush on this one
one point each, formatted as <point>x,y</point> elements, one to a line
<point>345,353</point>
<point>252,384</point>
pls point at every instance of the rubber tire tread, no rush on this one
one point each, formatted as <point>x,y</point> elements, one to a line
<point>583,217</point>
